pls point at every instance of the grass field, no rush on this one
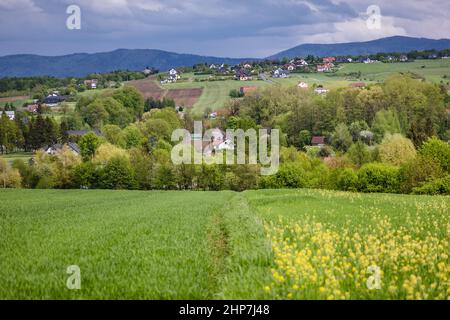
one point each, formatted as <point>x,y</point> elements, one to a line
<point>271,244</point>
<point>216,93</point>
<point>10,157</point>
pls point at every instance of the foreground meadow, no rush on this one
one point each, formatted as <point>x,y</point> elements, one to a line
<point>268,244</point>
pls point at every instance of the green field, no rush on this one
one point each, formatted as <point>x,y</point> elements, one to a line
<point>270,244</point>
<point>431,70</point>
<point>10,157</point>
<point>216,93</point>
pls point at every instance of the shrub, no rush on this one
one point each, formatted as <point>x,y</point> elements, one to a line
<point>378,177</point>
<point>438,150</point>
<point>86,175</point>
<point>9,177</point>
<point>345,179</point>
<point>417,172</point>
<point>396,150</point>
<point>436,187</point>
<point>118,174</point>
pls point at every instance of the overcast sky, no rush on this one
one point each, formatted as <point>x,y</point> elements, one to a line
<point>232,28</point>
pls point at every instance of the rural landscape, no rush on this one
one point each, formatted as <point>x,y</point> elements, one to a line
<point>93,205</point>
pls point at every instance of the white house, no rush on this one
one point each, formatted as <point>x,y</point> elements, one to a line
<point>321,90</point>
<point>10,114</point>
<point>280,73</point>
<point>303,85</point>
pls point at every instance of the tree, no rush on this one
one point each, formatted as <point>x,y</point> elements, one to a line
<point>378,177</point>
<point>359,154</point>
<point>132,136</point>
<point>386,122</point>
<point>131,99</point>
<point>65,161</point>
<point>341,138</point>
<point>117,113</point>
<point>118,174</point>
<point>419,171</point>
<point>396,149</point>
<point>88,145</point>
<point>9,177</point>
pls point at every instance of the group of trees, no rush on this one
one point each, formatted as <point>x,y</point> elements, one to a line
<point>402,105</point>
<point>384,138</point>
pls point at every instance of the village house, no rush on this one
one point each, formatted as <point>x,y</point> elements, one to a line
<point>53,149</point>
<point>280,73</point>
<point>10,114</point>
<point>329,60</point>
<point>243,75</point>
<point>290,67</point>
<point>53,99</point>
<point>321,90</point>
<point>33,108</point>
<point>247,66</point>
<point>403,58</point>
<point>303,85</point>
<point>91,84</point>
<point>325,67</point>
<point>368,60</point>
<point>318,141</point>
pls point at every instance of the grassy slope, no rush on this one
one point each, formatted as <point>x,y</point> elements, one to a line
<point>215,93</point>
<point>10,157</point>
<point>165,245</point>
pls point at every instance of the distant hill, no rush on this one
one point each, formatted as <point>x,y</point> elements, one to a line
<point>391,44</point>
<point>82,64</point>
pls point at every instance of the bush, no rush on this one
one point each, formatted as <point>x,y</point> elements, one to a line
<point>417,172</point>
<point>378,177</point>
<point>118,174</point>
<point>345,180</point>
<point>86,176</point>
<point>436,187</point>
<point>9,177</point>
<point>396,150</point>
<point>437,150</point>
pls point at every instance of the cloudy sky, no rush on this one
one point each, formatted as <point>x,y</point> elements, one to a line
<point>232,28</point>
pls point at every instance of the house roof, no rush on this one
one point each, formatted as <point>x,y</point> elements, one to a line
<point>318,140</point>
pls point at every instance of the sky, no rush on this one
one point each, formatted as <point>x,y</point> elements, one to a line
<point>224,28</point>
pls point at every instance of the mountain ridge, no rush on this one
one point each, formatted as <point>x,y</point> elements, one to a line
<point>82,64</point>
